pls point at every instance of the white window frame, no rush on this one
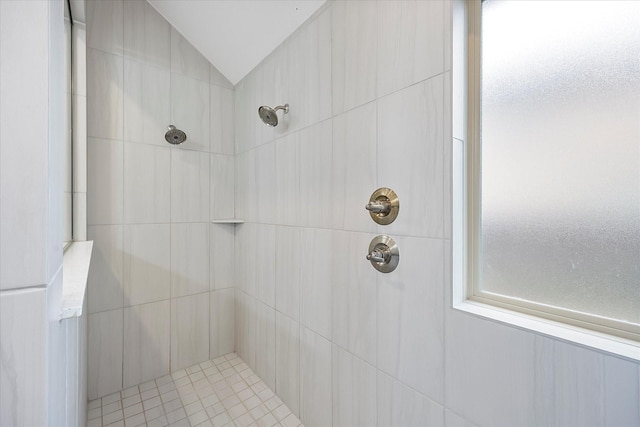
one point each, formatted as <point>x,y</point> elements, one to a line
<point>614,336</point>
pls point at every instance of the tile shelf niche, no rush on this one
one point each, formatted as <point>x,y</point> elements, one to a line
<point>228,221</point>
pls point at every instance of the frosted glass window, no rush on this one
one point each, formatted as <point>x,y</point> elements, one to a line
<point>560,155</point>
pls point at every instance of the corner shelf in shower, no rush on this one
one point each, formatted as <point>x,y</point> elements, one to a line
<point>228,221</point>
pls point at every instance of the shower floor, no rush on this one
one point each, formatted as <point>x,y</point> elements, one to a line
<point>223,392</point>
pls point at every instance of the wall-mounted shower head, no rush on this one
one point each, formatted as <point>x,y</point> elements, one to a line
<point>175,136</point>
<point>268,115</point>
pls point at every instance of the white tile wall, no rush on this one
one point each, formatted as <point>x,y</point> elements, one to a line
<point>410,42</point>
<point>146,181</point>
<point>315,379</point>
<point>288,362</point>
<point>222,318</point>
<point>147,35</point>
<point>266,343</point>
<point>190,110</point>
<point>150,204</point>
<point>376,349</point>
<point>23,314</point>
<point>40,380</point>
<point>147,255</point>
<point>106,275</point>
<point>221,187</point>
<point>399,405</point>
<point>189,330</point>
<point>24,161</point>
<point>186,60</point>
<point>105,182</point>
<point>189,259</point>
<point>147,102</point>
<point>189,186</point>
<point>105,353</point>
<point>146,332</point>
<point>353,53</point>
<point>105,108</point>
<point>354,390</point>
<point>368,84</point>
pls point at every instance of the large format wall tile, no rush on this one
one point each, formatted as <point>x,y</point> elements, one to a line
<point>263,273</point>
<point>315,379</point>
<point>354,168</point>
<point>287,183</point>
<point>106,275</point>
<point>189,330</point>
<point>189,259</point>
<point>316,280</point>
<point>354,390</point>
<point>147,108</point>
<point>410,42</point>
<point>315,175</point>
<point>288,271</point>
<point>105,80</point>
<point>23,332</point>
<point>353,54</point>
<point>190,111</point>
<point>302,73</point>
<point>222,185</point>
<point>502,357</point>
<point>354,296</point>
<point>189,186</point>
<point>222,252</point>
<point>245,327</point>
<point>105,353</point>
<point>222,121</point>
<point>288,362</point>
<point>105,198</point>
<point>147,267</point>
<point>399,405</point>
<point>221,327</point>
<point>186,60</point>
<point>147,35</point>
<point>617,375</point>
<point>106,19</point>
<point>146,183</point>
<point>411,317</point>
<point>410,150</point>
<point>265,184</point>
<point>266,343</point>
<point>146,332</point>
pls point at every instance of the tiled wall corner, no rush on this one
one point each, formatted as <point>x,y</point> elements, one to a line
<point>160,287</point>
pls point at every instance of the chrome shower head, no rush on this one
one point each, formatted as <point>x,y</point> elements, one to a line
<point>268,115</point>
<point>175,136</point>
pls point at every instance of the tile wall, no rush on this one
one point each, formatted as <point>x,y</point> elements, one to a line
<point>38,353</point>
<point>369,88</point>
<point>160,288</point>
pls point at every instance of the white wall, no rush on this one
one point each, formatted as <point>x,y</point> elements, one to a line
<point>33,341</point>
<point>161,273</point>
<point>369,88</point>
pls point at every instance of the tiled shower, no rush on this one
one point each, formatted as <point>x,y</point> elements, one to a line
<point>289,290</point>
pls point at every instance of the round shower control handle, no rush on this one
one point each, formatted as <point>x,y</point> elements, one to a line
<point>383,206</point>
<point>383,254</point>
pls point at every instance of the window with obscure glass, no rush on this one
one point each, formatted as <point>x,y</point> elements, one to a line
<point>556,214</point>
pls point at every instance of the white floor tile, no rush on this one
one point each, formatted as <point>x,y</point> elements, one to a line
<point>220,392</point>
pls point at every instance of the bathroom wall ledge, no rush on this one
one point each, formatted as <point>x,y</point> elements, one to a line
<point>616,346</point>
<point>75,267</point>
<point>228,221</point>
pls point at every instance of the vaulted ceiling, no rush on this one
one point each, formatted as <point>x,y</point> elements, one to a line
<point>236,35</point>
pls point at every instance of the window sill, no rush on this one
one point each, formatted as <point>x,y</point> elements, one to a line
<point>598,341</point>
<point>75,270</point>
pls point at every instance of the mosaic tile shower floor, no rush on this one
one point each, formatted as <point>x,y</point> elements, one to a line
<point>223,392</point>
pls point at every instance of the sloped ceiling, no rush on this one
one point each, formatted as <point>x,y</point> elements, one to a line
<point>236,35</point>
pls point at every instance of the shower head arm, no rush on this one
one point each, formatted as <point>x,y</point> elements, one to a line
<point>284,107</point>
